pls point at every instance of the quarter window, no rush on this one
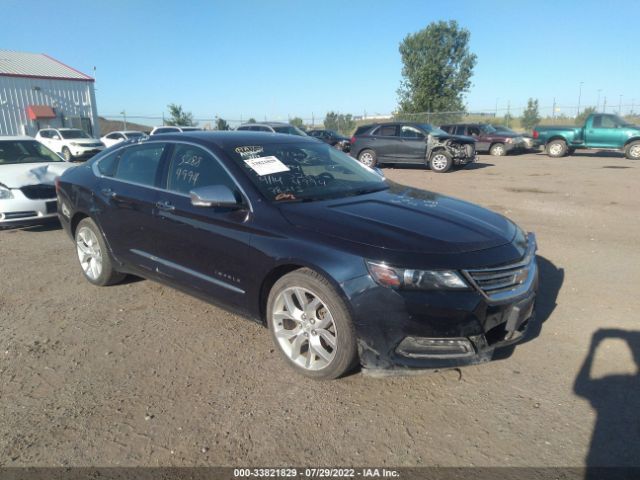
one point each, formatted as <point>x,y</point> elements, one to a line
<point>139,164</point>
<point>193,167</point>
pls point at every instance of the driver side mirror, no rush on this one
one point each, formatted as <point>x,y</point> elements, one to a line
<point>214,196</point>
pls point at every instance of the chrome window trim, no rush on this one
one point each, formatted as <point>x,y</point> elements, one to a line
<point>96,172</point>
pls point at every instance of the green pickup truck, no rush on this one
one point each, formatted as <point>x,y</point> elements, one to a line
<point>601,131</point>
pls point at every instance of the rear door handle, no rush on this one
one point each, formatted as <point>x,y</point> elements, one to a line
<point>165,206</point>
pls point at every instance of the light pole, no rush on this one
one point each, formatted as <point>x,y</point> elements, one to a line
<point>124,119</point>
<point>496,114</point>
<point>620,106</point>
<point>579,96</point>
<point>598,102</point>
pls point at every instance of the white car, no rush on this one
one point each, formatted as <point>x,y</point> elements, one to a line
<point>120,136</point>
<point>72,143</point>
<point>28,170</point>
<point>173,129</point>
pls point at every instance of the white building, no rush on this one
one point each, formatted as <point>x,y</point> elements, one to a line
<point>37,91</point>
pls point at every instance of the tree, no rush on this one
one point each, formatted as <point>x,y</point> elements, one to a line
<point>530,116</point>
<point>339,122</point>
<point>178,117</point>
<point>221,124</point>
<point>580,119</point>
<point>437,69</point>
<point>297,122</point>
<point>251,120</point>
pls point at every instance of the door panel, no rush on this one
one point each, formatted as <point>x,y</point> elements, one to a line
<point>203,248</point>
<point>385,141</point>
<point>604,132</point>
<point>412,145</point>
<point>126,196</point>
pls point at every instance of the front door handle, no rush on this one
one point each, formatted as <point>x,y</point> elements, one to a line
<point>108,192</point>
<point>165,206</point>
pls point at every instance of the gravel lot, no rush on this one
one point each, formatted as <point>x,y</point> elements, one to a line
<point>140,374</point>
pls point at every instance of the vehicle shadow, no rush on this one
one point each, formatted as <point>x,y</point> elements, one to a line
<point>551,279</point>
<point>44,227</point>
<point>418,166</point>
<point>616,398</point>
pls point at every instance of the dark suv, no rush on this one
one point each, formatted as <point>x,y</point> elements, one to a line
<point>404,142</point>
<point>488,139</point>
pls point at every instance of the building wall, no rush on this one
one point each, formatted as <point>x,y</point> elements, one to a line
<point>71,101</point>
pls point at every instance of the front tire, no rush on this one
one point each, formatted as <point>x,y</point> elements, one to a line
<point>368,157</point>
<point>498,150</point>
<point>557,148</point>
<point>93,255</point>
<point>440,162</point>
<point>311,325</point>
<point>66,153</point>
<point>632,151</point>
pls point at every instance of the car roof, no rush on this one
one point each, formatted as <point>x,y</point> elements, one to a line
<point>124,131</point>
<point>268,124</point>
<point>222,139</point>
<point>16,137</point>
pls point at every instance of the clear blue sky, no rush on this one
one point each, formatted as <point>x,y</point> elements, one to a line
<point>280,58</point>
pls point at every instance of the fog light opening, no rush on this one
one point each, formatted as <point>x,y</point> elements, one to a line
<point>422,347</point>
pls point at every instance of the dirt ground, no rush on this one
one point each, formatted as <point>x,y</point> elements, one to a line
<point>140,374</point>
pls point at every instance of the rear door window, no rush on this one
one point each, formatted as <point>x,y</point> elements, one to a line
<point>139,164</point>
<point>193,167</point>
<point>387,131</point>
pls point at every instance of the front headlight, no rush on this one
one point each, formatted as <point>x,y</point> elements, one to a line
<point>412,279</point>
<point>5,193</point>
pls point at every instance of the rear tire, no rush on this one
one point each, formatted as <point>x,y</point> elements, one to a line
<point>368,157</point>
<point>557,148</point>
<point>440,162</point>
<point>498,150</point>
<point>632,151</point>
<point>324,346</point>
<point>93,255</point>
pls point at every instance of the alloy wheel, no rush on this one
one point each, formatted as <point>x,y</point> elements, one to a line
<point>89,252</point>
<point>555,149</point>
<point>635,151</point>
<point>439,162</point>
<point>367,159</point>
<point>304,328</point>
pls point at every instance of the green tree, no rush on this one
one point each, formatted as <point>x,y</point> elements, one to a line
<point>251,120</point>
<point>221,124</point>
<point>339,122</point>
<point>580,119</point>
<point>297,122</point>
<point>531,115</point>
<point>437,69</point>
<point>179,117</point>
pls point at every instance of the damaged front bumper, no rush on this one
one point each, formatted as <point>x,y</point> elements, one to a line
<point>401,331</point>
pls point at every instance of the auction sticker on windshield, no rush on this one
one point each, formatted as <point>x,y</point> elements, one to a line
<point>266,165</point>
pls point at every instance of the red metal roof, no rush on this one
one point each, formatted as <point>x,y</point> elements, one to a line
<point>37,65</point>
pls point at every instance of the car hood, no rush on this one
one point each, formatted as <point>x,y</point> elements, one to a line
<point>404,219</point>
<point>84,141</point>
<point>22,174</point>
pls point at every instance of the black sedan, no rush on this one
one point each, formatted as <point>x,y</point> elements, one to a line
<point>340,264</point>
<point>332,138</point>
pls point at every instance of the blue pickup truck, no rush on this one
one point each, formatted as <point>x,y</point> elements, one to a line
<point>601,131</point>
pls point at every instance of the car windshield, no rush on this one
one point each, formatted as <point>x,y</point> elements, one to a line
<point>622,122</point>
<point>291,130</point>
<point>75,133</point>
<point>301,171</point>
<point>134,134</point>
<point>25,151</point>
<point>487,129</point>
<point>432,130</point>
<point>504,129</point>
